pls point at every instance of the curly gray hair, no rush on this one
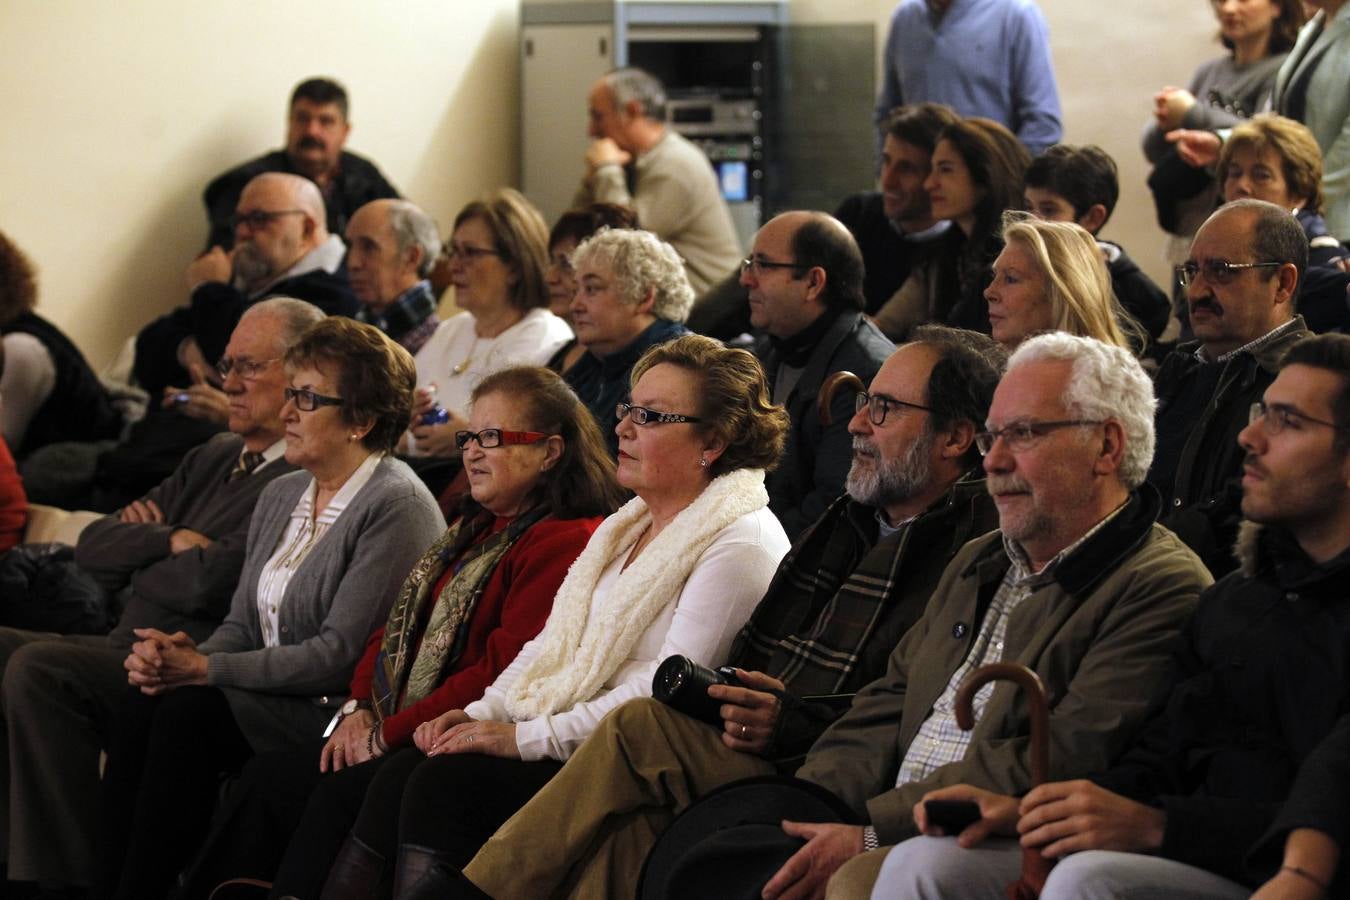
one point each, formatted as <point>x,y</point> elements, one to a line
<point>1106,383</point>
<point>638,262</point>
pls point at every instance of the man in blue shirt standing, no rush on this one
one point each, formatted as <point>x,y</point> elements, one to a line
<point>980,57</point>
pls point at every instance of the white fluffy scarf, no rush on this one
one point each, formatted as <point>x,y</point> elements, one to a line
<point>580,646</point>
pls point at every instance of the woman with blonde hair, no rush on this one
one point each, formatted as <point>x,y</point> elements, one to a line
<point>1050,276</point>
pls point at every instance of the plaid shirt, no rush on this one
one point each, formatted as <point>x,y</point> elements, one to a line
<point>940,740</point>
<point>841,600</point>
<point>410,319</point>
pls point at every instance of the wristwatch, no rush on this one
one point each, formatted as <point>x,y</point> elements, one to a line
<point>351,706</point>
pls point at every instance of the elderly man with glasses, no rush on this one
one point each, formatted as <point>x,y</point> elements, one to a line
<point>805,282</point>
<point>1242,280</point>
<point>172,558</point>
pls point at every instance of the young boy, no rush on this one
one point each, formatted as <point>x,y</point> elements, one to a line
<point>1079,184</point>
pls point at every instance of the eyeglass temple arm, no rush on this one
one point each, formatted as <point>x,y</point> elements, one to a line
<point>830,387</point>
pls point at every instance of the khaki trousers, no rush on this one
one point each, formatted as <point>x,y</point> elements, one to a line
<point>587,832</point>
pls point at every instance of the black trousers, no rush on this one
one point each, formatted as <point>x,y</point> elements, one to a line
<point>160,786</point>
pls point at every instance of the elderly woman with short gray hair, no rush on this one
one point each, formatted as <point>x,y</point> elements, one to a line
<point>632,294</point>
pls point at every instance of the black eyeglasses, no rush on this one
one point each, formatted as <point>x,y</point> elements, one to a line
<point>1217,271</point>
<point>644,416</point>
<point>495,437</point>
<point>1021,435</point>
<point>469,254</point>
<point>261,218</point>
<point>308,401</point>
<point>247,369</point>
<point>878,405</point>
<point>759,266</point>
<point>1277,417</point>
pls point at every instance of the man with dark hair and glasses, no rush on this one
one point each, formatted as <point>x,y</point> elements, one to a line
<point>1205,802</point>
<point>317,128</point>
<point>172,558</point>
<point>1241,280</point>
<point>804,277</point>
<point>851,586</point>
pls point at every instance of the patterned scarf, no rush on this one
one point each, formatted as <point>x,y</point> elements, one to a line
<point>584,642</point>
<point>407,671</point>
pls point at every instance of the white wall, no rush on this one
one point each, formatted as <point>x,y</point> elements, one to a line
<point>116,115</point>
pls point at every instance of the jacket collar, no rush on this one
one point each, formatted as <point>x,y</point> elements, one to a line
<point>1097,557</point>
<point>1264,551</point>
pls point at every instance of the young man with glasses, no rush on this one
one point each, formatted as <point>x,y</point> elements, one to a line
<point>1241,281</point>
<point>805,280</point>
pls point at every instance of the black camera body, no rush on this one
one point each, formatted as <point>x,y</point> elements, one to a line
<point>682,684</point>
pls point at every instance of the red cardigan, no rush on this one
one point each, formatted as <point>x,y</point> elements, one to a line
<point>13,501</point>
<point>515,604</point>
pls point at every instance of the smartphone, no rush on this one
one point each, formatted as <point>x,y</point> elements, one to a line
<point>952,816</point>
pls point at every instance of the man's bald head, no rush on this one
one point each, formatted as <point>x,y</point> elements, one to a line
<point>822,240</point>
<point>279,218</point>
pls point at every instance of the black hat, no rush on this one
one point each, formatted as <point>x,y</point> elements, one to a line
<point>730,842</point>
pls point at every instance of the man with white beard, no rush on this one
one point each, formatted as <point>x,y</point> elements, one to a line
<point>841,600</point>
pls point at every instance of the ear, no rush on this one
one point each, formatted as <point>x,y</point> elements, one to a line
<point>815,278</point>
<point>309,227</point>
<point>412,258</point>
<point>644,306</point>
<point>1287,276</point>
<point>632,109</point>
<point>1094,218</point>
<point>358,432</point>
<point>959,439</point>
<point>1112,450</point>
<point>713,447</point>
<point>553,448</point>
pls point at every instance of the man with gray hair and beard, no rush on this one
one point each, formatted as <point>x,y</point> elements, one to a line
<point>845,594</point>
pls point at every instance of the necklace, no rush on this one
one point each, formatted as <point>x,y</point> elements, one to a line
<point>462,367</point>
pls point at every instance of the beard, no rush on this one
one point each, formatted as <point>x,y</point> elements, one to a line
<point>251,269</point>
<point>879,482</point>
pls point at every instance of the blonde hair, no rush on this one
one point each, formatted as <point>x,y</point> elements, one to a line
<point>1293,143</point>
<point>1078,285</point>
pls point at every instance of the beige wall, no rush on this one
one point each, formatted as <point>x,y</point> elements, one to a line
<point>117,114</point>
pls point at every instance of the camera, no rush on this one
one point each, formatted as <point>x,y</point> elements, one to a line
<point>682,684</point>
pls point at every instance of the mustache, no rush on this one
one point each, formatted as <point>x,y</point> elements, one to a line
<point>1005,484</point>
<point>311,142</point>
<point>1252,463</point>
<point>1207,305</point>
<point>863,447</point>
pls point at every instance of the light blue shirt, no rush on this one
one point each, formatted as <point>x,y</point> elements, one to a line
<point>986,58</point>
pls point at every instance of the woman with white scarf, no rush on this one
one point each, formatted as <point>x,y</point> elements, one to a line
<point>678,569</point>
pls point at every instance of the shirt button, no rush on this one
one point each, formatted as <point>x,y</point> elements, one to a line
<point>1292,597</point>
<point>1176,502</point>
<point>959,630</point>
<point>285,630</point>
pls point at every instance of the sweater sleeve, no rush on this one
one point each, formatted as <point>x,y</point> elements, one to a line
<point>390,536</point>
<point>723,586</point>
<point>1035,95</point>
<point>516,603</point>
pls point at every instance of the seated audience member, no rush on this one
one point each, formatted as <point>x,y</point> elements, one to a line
<point>1051,277</point>
<point>538,490</point>
<point>391,248</point>
<point>49,392</point>
<point>636,160</point>
<point>1261,680</point>
<point>1079,185</point>
<point>573,227</point>
<point>13,500</point>
<point>676,570</point>
<point>498,254</point>
<point>977,169</point>
<point>632,294</point>
<point>172,558</point>
<point>1242,280</point>
<point>282,247</point>
<point>328,548</point>
<point>804,277</point>
<point>894,227</point>
<point>1080,585</point>
<point>1258,35</point>
<point>316,131</point>
<point>842,598</point>
<point>1276,159</point>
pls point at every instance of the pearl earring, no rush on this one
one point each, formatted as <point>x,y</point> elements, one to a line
<point>703,462</point>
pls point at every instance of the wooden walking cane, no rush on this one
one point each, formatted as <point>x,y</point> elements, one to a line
<point>829,387</point>
<point>1035,867</point>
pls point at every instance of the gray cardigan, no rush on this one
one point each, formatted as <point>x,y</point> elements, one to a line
<point>337,597</point>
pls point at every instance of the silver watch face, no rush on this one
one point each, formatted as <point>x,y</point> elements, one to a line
<point>349,707</point>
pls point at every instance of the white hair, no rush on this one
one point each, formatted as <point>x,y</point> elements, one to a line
<point>639,262</point>
<point>1106,382</point>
